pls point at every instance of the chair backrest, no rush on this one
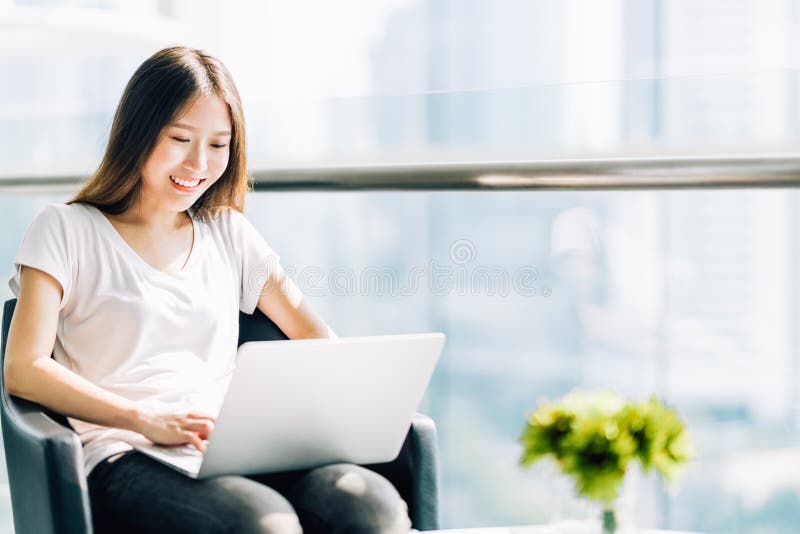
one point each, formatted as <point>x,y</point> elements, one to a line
<point>258,327</point>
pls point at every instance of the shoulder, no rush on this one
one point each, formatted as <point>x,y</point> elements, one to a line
<point>68,211</point>
<point>238,232</point>
<point>225,219</point>
<point>59,215</point>
<point>230,215</point>
<point>58,210</point>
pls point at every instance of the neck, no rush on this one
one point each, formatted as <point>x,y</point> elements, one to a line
<point>153,217</point>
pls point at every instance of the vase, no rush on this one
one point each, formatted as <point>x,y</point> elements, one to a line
<point>609,519</point>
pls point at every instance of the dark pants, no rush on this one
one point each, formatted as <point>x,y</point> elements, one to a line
<point>135,493</point>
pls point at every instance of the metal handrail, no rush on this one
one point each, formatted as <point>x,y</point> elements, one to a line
<point>694,172</point>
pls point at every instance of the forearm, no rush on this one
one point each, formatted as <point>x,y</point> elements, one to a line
<point>320,332</point>
<point>52,385</point>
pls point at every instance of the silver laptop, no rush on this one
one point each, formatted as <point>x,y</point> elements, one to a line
<point>306,403</point>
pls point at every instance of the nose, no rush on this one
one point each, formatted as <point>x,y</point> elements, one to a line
<point>196,160</point>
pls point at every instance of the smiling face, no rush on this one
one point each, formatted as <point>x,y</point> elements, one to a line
<point>191,154</point>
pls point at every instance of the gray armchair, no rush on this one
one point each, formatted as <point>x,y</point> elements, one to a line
<point>45,459</point>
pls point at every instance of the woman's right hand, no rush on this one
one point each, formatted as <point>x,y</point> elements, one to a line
<point>189,428</point>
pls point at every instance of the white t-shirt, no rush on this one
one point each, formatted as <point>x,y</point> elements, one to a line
<point>166,341</point>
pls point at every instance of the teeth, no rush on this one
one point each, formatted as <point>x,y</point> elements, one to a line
<point>185,183</point>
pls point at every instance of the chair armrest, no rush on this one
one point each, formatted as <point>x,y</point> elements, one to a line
<point>45,463</point>
<point>415,473</point>
<point>426,484</point>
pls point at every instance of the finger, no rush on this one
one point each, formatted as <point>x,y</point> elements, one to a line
<point>195,440</point>
<point>201,416</point>
<point>203,428</point>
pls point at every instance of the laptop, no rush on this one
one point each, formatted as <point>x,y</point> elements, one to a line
<point>301,404</point>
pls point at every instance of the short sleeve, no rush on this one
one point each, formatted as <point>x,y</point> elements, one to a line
<point>47,247</point>
<point>258,262</point>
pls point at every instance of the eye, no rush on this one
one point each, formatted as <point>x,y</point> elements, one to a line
<point>181,139</point>
<point>217,145</point>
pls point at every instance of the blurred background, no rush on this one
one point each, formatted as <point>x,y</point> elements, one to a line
<point>691,295</point>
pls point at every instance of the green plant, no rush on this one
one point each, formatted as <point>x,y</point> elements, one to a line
<point>594,436</point>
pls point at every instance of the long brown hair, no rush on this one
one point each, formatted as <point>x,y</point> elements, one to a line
<point>160,89</point>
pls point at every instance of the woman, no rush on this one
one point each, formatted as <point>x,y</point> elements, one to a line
<point>135,285</point>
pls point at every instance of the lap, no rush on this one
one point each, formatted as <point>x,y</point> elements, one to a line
<point>145,495</point>
<point>140,494</point>
<point>342,498</point>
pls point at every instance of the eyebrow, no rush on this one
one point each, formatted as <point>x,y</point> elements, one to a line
<point>192,128</point>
